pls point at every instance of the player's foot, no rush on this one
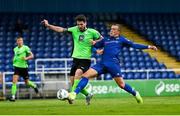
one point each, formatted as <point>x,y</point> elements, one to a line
<point>88,98</point>
<point>72,96</point>
<point>138,98</point>
<point>70,101</point>
<point>12,99</point>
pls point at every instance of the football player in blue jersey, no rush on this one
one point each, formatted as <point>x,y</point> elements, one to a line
<point>110,62</point>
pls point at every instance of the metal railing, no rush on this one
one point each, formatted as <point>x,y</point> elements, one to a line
<point>65,60</point>
<point>66,70</point>
<point>147,71</point>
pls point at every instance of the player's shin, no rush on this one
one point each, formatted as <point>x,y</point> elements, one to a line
<point>31,84</point>
<point>76,81</point>
<point>13,89</point>
<point>34,86</point>
<point>129,89</point>
<point>84,91</point>
<point>136,94</point>
<point>81,85</point>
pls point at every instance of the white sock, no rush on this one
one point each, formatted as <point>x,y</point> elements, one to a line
<point>13,96</point>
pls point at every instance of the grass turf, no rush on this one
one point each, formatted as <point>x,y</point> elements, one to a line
<point>108,106</point>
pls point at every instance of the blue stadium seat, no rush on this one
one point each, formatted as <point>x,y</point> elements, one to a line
<point>162,31</point>
<point>47,44</point>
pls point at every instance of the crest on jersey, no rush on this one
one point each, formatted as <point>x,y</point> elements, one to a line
<point>18,53</point>
<point>81,37</point>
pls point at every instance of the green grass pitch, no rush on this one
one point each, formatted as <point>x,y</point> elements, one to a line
<point>108,106</point>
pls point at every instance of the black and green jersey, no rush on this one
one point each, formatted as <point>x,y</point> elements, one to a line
<point>82,42</point>
<point>19,53</point>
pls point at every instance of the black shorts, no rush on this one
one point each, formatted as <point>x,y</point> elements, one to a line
<point>22,72</point>
<point>82,64</point>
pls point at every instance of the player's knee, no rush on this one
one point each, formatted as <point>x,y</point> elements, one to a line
<point>77,77</point>
<point>121,85</point>
<point>91,73</point>
<point>78,72</point>
<point>87,74</point>
<point>14,80</point>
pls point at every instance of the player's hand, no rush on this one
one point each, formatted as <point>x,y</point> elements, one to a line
<point>100,51</point>
<point>152,47</point>
<point>24,58</point>
<point>93,42</point>
<point>45,23</point>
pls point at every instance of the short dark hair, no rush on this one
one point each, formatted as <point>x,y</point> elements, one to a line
<point>80,17</point>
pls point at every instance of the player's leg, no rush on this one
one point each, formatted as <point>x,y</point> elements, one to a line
<point>120,82</point>
<point>77,77</point>
<point>72,75</point>
<point>14,87</point>
<point>91,73</point>
<point>72,72</point>
<point>72,80</point>
<point>84,91</point>
<point>29,83</point>
<point>115,71</point>
<point>82,65</point>
<point>32,85</point>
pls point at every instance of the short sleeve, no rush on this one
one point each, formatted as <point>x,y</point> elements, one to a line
<point>96,34</point>
<point>71,29</point>
<point>28,50</point>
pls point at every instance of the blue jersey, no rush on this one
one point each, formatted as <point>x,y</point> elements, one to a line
<point>112,48</point>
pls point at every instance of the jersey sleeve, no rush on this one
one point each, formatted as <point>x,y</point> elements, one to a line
<point>28,50</point>
<point>134,45</point>
<point>96,34</point>
<point>71,29</point>
<point>99,44</point>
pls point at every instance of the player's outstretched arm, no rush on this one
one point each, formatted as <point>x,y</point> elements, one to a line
<point>138,46</point>
<point>141,46</point>
<point>52,27</point>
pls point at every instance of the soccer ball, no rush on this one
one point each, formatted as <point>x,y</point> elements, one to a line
<point>62,94</point>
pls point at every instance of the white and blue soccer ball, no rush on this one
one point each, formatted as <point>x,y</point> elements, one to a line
<point>62,94</point>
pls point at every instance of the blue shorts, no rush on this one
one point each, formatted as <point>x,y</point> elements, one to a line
<point>109,67</point>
